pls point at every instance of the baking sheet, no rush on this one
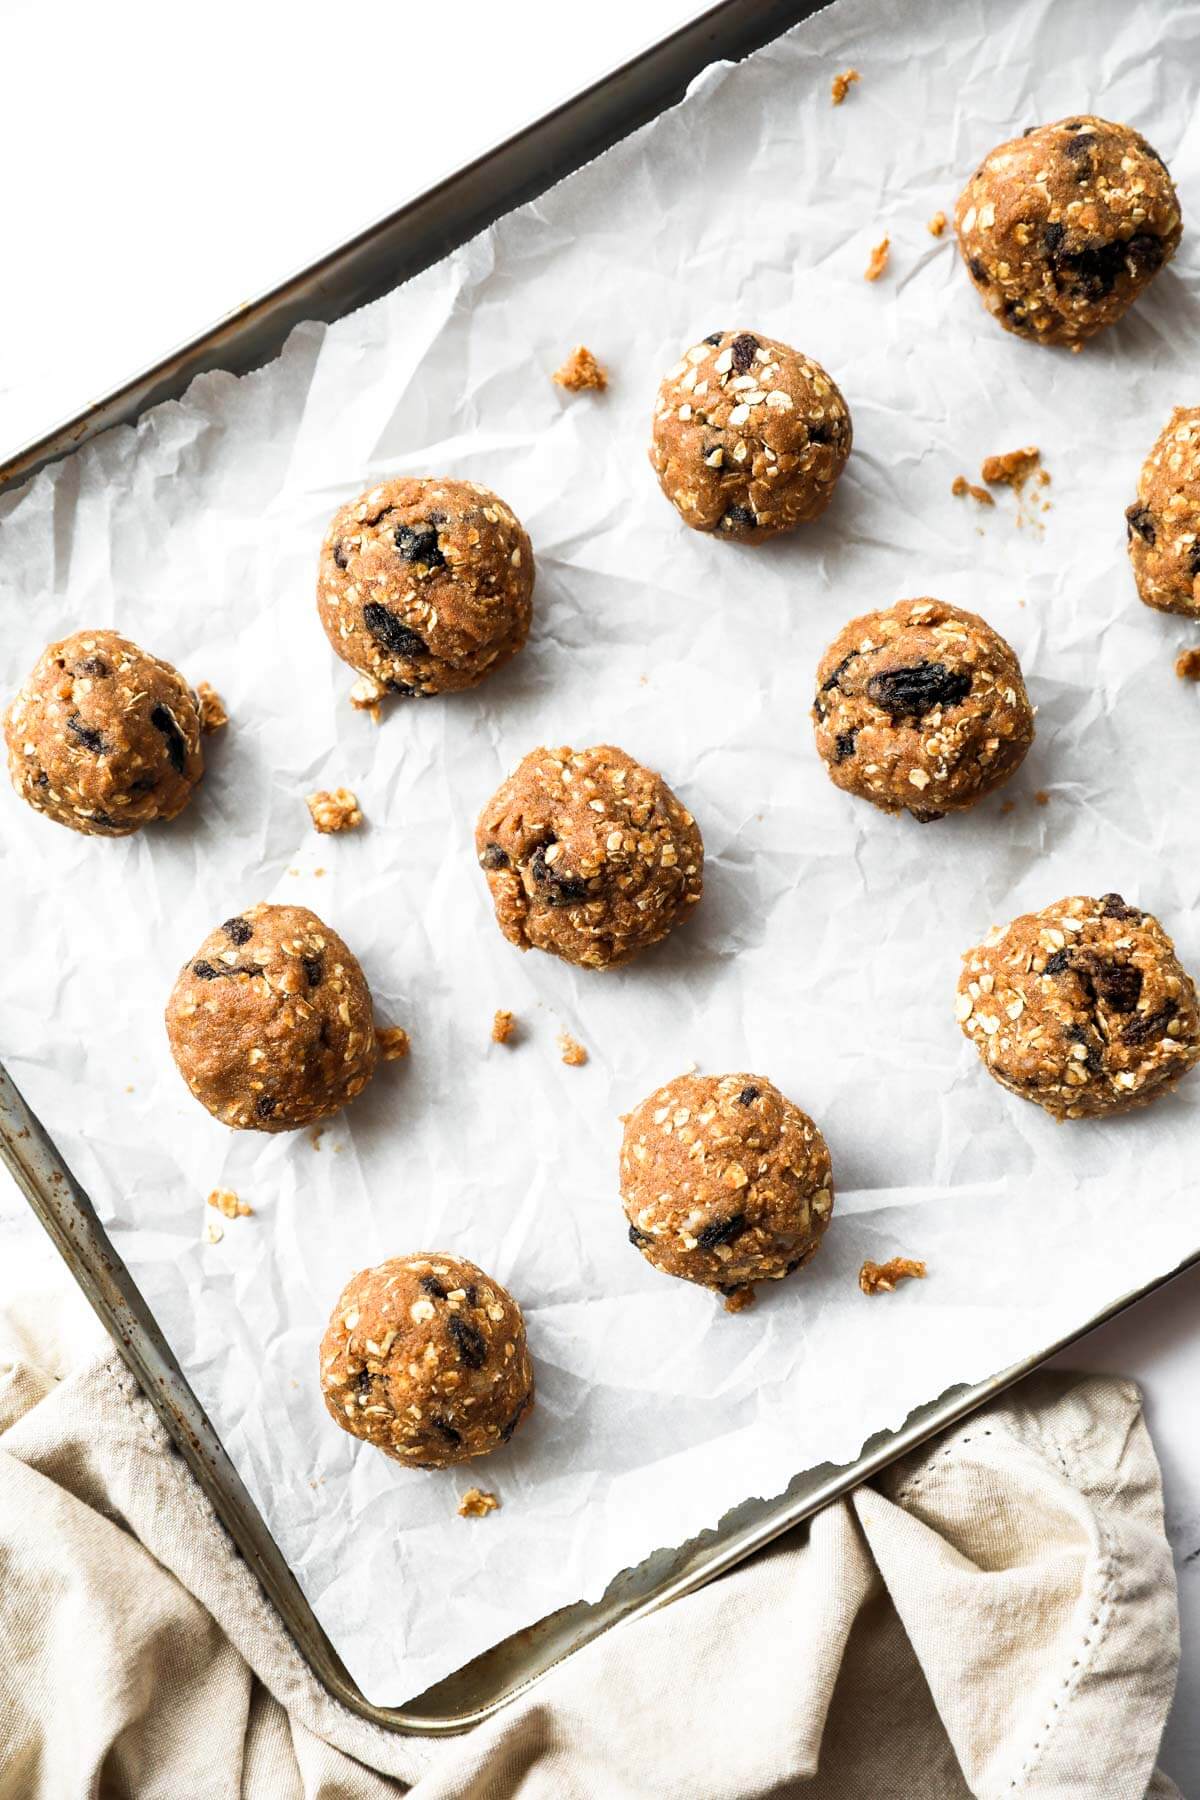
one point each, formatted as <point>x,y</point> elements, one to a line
<point>825,951</point>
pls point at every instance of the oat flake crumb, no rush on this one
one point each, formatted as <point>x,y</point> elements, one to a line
<point>503,1026</point>
<point>878,260</point>
<point>214,1231</point>
<point>1187,665</point>
<point>573,1052</point>
<point>212,708</point>
<point>960,486</point>
<point>580,371</point>
<point>1013,468</point>
<point>227,1202</point>
<point>477,1503</point>
<point>842,84</point>
<point>334,810</point>
<point>937,224</point>
<point>881,1278</point>
<point>394,1042</point>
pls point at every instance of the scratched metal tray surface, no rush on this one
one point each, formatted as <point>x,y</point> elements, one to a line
<point>347,277</point>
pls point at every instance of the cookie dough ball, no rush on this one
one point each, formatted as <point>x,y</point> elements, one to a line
<point>749,436</point>
<point>271,1023</point>
<point>921,708</point>
<point>588,855</point>
<point>103,737</point>
<point>1062,229</point>
<point>1082,1007</point>
<point>425,1358</point>
<point>725,1183</point>
<point>1164,524</point>
<point>426,586</point>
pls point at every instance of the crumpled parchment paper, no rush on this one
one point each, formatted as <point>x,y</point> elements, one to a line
<point>825,951</point>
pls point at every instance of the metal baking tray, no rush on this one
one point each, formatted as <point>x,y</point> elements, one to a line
<point>370,264</point>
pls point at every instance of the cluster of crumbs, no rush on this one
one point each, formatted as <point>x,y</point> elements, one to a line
<point>877,262</point>
<point>335,810</point>
<point>581,371</point>
<point>573,1052</point>
<point>503,1026</point>
<point>1187,665</point>
<point>842,84</point>
<point>1013,468</point>
<point>212,708</point>
<point>477,1503</point>
<point>394,1042</point>
<point>937,224</point>
<point>366,696</point>
<point>960,486</point>
<point>881,1278</point>
<point>227,1202</point>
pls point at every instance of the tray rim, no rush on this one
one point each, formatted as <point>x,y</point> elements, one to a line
<point>378,257</point>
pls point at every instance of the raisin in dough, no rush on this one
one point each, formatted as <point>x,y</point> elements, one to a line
<point>425,1358</point>
<point>426,586</point>
<point>588,855</point>
<point>1164,524</point>
<point>1082,1007</point>
<point>1062,229</point>
<point>749,436</point>
<point>271,1023</point>
<point>724,1182</point>
<point>103,737</point>
<point>921,708</point>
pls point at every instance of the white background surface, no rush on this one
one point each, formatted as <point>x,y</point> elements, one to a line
<point>260,163</point>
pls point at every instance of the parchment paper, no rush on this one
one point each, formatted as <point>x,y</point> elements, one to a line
<point>825,951</point>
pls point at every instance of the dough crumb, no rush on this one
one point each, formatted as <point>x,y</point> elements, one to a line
<point>503,1026</point>
<point>213,716</point>
<point>227,1202</point>
<point>1012,469</point>
<point>394,1042</point>
<point>334,810</point>
<point>960,486</point>
<point>1009,806</point>
<point>842,84</point>
<point>1042,798</point>
<point>738,1299</point>
<point>315,1136</point>
<point>878,260</point>
<point>1187,665</point>
<point>573,1052</point>
<point>477,1503</point>
<point>937,224</point>
<point>580,371</point>
<point>881,1278</point>
<point>366,694</point>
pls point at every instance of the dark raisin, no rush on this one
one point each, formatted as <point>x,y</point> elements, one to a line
<point>844,745</point>
<point>92,665</point>
<point>506,1431</point>
<point>1073,125</point>
<point>446,1428</point>
<point>363,1381</point>
<point>339,554</point>
<point>84,734</point>
<point>145,784</point>
<point>205,971</point>
<point>819,709</point>
<point>978,271</point>
<point>41,779</point>
<point>1149,1025</point>
<point>1059,963</point>
<point>714,337</point>
<point>743,348</point>
<point>721,1231</point>
<point>1140,519</point>
<point>264,1106</point>
<point>239,930</point>
<point>1193,561</point>
<point>563,890</point>
<point>102,818</point>
<point>827,432</point>
<point>1119,985</point>
<point>419,544</point>
<point>1052,237</point>
<point>469,1341</point>
<point>1093,1061</point>
<point>391,632</point>
<point>493,857</point>
<point>164,721</point>
<point>638,1237</point>
<point>797,1262</point>
<point>314,969</point>
<point>403,687</point>
<point>748,1095</point>
<point>740,515</point>
<point>1113,907</point>
<point>433,1286</point>
<point>1093,271</point>
<point>832,681</point>
<point>911,693</point>
<point>1077,147</point>
<point>472,1293</point>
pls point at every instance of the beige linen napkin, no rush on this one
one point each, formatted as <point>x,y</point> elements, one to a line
<point>995,1617</point>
